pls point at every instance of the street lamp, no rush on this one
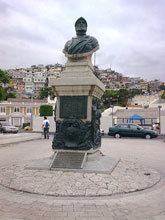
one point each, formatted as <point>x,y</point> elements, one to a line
<point>111,106</point>
<point>159,107</point>
<point>110,100</point>
<point>117,100</point>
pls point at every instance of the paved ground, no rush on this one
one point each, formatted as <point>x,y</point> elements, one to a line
<point>126,177</point>
<point>145,205</point>
<point>19,137</point>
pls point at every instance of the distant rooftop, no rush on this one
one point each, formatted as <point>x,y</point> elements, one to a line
<point>26,100</point>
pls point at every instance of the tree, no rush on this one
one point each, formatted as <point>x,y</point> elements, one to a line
<point>134,92</point>
<point>108,97</point>
<point>4,78</point>
<point>162,87</point>
<point>45,92</point>
<point>116,97</point>
<point>9,93</point>
<point>110,94</point>
<point>163,95</point>
<point>2,94</point>
<point>124,93</point>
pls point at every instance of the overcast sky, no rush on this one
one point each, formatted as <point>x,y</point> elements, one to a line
<point>131,33</point>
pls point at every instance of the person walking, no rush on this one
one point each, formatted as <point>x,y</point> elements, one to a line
<point>45,126</point>
<point>153,126</point>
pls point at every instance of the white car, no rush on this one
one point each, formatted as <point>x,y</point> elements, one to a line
<point>102,131</point>
<point>6,127</point>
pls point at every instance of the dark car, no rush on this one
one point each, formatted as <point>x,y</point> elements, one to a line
<point>6,127</point>
<point>131,130</point>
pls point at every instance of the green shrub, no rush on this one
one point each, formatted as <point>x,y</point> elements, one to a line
<point>163,95</point>
<point>46,110</point>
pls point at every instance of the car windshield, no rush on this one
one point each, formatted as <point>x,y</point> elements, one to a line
<point>4,123</point>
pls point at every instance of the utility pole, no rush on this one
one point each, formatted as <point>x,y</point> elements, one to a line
<point>159,107</point>
<point>31,108</point>
<point>111,106</point>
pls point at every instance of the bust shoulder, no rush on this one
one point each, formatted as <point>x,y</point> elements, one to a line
<point>79,45</point>
<point>94,41</point>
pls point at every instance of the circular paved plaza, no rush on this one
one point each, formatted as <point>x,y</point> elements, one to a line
<point>134,190</point>
<point>126,177</point>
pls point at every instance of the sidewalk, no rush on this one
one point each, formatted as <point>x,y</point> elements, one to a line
<point>141,154</point>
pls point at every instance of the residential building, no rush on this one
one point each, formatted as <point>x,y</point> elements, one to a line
<point>144,85</point>
<point>35,80</point>
<point>18,111</point>
<point>154,85</point>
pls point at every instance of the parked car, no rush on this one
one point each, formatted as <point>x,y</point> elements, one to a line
<point>26,124</point>
<point>101,131</point>
<point>27,128</point>
<point>6,127</point>
<point>131,130</point>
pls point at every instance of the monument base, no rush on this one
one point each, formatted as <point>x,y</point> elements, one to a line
<point>89,162</point>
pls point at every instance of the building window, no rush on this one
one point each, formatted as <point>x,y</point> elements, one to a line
<point>16,109</point>
<point>28,110</point>
<point>2,109</point>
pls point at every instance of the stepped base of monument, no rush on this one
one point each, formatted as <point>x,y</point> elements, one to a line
<point>77,161</point>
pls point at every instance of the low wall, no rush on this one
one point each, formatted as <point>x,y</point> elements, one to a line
<point>37,123</point>
<point>144,99</point>
<point>105,123</point>
<point>162,123</point>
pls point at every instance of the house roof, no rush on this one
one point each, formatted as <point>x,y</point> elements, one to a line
<point>26,100</point>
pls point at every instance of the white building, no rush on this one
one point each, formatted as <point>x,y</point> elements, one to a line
<point>34,81</point>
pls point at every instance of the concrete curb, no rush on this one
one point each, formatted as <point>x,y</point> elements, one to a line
<point>20,137</point>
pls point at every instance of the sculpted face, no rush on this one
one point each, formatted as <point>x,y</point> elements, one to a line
<point>82,43</point>
<point>81,27</point>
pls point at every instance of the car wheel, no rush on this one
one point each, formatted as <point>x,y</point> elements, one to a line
<point>117,135</point>
<point>148,136</point>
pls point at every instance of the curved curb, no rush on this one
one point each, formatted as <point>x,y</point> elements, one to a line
<point>68,184</point>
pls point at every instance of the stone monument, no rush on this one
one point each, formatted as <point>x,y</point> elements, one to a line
<point>78,92</point>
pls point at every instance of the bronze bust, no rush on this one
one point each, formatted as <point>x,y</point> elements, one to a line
<point>82,43</point>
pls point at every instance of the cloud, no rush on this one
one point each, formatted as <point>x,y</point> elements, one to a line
<point>130,33</point>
